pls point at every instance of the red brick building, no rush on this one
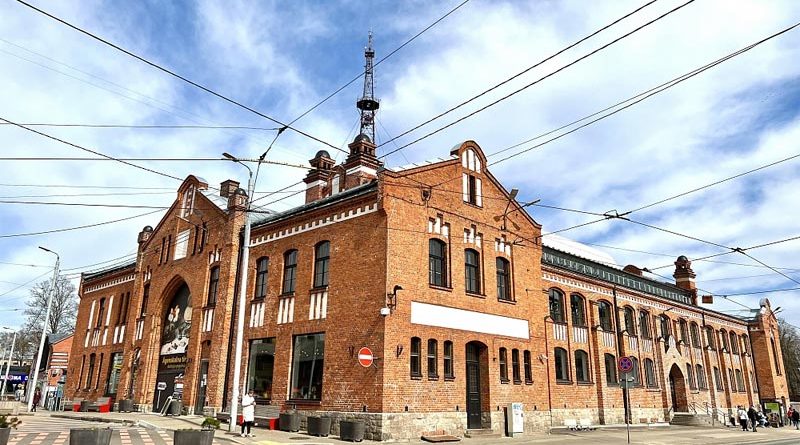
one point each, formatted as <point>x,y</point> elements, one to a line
<point>435,268</point>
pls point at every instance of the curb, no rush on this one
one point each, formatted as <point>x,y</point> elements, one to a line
<point>95,419</point>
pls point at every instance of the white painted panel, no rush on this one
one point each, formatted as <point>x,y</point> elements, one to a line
<point>311,307</point>
<point>181,245</point>
<point>465,186</point>
<point>91,314</point>
<point>464,159</point>
<point>324,305</point>
<point>470,159</point>
<point>478,193</point>
<point>110,306</point>
<point>446,317</point>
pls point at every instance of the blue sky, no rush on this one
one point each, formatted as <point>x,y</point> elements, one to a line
<point>283,57</point>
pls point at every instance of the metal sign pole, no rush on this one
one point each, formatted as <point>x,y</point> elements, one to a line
<point>627,406</point>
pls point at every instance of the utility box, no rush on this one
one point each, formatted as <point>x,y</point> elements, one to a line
<point>515,419</point>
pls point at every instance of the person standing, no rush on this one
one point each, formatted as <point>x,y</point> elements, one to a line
<point>752,414</point>
<point>742,417</point>
<point>796,419</point>
<point>37,397</point>
<point>248,413</point>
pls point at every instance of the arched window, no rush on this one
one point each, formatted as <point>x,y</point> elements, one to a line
<point>611,368</point>
<point>637,377</point>
<point>745,344</point>
<point>739,381</point>
<point>710,338</point>
<point>503,365</point>
<point>649,373</point>
<point>556,298</point>
<point>695,333</point>
<point>684,331</point>
<point>415,365</point>
<point>562,364</point>
<point>448,360</point>
<point>666,324</point>
<point>690,376</point>
<point>289,271</point>
<point>701,377</point>
<point>734,342</point>
<point>262,266</point>
<point>515,371</point>
<point>433,359</point>
<point>90,372</point>
<point>718,379</point>
<point>581,366</point>
<point>775,357</point>
<point>577,310</point>
<point>437,262</point>
<point>731,381</point>
<point>213,286</point>
<point>322,256</point>
<point>630,323</point>
<point>503,279</point>
<point>723,336</point>
<point>472,271</point>
<point>527,364</point>
<point>644,324</point>
<point>604,314</point>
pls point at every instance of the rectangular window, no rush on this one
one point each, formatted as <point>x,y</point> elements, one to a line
<point>169,247</point>
<point>739,381</point>
<point>307,366</point>
<point>718,379</point>
<point>163,250</point>
<point>527,364</point>
<point>115,368</point>
<point>259,367</point>
<point>448,360</point>
<point>415,364</point>
<point>90,371</point>
<point>690,377</point>
<point>203,237</point>
<point>182,244</point>
<point>503,365</point>
<point>503,279</point>
<point>321,270</point>
<point>262,265</point>
<point>611,369</point>
<point>433,352</point>
<point>99,371</point>
<point>145,297</point>
<point>213,286</point>
<point>515,373</point>
<point>100,312</point>
<point>731,381</point>
<point>289,271</point>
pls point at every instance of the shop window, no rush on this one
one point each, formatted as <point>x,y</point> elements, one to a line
<point>630,324</point>
<point>611,368</point>
<point>515,371</point>
<point>213,286</point>
<point>649,373</point>
<point>437,262</point>
<point>114,370</point>
<point>644,324</point>
<point>604,314</point>
<point>582,366</point>
<point>472,271</point>
<point>526,358</point>
<point>503,365</point>
<point>262,269</point>
<point>289,271</point>
<point>433,359</point>
<point>556,303</point>
<point>414,357</point>
<point>577,306</point>
<point>448,360</point>
<point>321,268</point>
<point>307,366</point>
<point>503,279</point>
<point>260,365</point>
<point>561,364</point>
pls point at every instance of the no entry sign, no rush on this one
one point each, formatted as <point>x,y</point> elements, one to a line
<point>365,357</point>
<point>625,364</point>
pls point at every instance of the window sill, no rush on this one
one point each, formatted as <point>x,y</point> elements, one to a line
<point>472,204</point>
<point>257,299</point>
<point>451,378</point>
<point>437,287</point>
<point>517,382</point>
<point>304,402</point>
<point>475,294</point>
<point>210,306</point>
<point>319,288</point>
<point>653,389</point>
<point>505,381</point>
<point>286,295</point>
<point>433,377</point>
<point>503,300</point>
<point>529,382</point>
<point>416,377</point>
<point>563,382</point>
<point>585,383</point>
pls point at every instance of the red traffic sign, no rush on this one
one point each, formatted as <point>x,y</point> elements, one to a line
<point>625,364</point>
<point>365,357</point>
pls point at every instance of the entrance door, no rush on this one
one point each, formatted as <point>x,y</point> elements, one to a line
<point>164,380</point>
<point>677,385</point>
<point>473,387</point>
<point>202,382</point>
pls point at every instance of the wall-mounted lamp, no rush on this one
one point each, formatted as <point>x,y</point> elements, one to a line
<point>391,299</point>
<point>399,351</point>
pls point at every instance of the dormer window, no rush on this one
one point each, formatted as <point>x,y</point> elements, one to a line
<point>187,204</point>
<point>472,165</point>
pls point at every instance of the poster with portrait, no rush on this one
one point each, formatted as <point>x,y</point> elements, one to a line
<point>177,324</point>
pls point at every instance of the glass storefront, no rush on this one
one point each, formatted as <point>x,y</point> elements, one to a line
<point>114,372</point>
<point>259,367</point>
<point>307,366</point>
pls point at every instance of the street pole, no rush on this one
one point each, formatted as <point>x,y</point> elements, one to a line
<point>8,363</point>
<point>237,355</point>
<point>35,371</point>
<point>627,394</point>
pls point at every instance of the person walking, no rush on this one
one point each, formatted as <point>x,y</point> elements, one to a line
<point>796,419</point>
<point>742,417</point>
<point>37,397</point>
<point>752,414</point>
<point>248,413</point>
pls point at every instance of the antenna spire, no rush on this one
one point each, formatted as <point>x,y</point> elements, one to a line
<point>367,103</point>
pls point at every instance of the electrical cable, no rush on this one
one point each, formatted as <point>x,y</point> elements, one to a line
<point>195,159</point>
<point>147,127</point>
<point>26,283</point>
<point>67,229</point>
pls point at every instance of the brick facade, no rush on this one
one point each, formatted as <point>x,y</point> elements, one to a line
<point>443,276</point>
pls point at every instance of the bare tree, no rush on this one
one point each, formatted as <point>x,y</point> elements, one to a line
<point>24,348</point>
<point>790,345</point>
<point>63,311</point>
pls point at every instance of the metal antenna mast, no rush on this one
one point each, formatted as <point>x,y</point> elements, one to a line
<point>367,103</point>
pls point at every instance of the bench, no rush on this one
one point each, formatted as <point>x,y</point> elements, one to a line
<point>73,405</point>
<point>572,424</point>
<point>265,415</point>
<point>101,405</point>
<point>586,425</point>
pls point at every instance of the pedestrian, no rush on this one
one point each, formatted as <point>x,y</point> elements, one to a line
<point>796,419</point>
<point>248,413</point>
<point>37,397</point>
<point>752,414</point>
<point>742,417</point>
<point>18,393</point>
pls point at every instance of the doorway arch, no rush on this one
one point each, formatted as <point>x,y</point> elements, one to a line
<point>176,323</point>
<point>677,387</point>
<point>477,373</point>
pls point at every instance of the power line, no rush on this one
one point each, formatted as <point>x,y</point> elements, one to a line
<point>112,187</point>
<point>84,195</point>
<point>359,75</point>
<point>147,127</point>
<point>495,102</point>
<point>174,74</point>
<point>67,229</point>
<point>81,204</point>
<point>195,159</point>
<point>25,284</point>
<point>768,266</point>
<point>483,93</point>
<point>24,265</point>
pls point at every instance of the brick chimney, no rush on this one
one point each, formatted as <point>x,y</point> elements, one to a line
<point>317,178</point>
<point>361,165</point>
<point>145,234</point>
<point>227,188</point>
<point>684,276</point>
<point>237,201</point>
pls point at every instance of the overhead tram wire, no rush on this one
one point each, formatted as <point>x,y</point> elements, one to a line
<point>391,53</point>
<point>147,127</point>
<point>111,187</point>
<point>120,159</point>
<point>517,91</point>
<point>526,70</point>
<point>24,265</point>
<point>68,229</point>
<point>176,75</point>
<point>82,204</point>
<point>83,195</point>
<point>26,283</point>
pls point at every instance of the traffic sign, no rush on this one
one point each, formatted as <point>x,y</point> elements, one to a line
<point>365,357</point>
<point>625,364</point>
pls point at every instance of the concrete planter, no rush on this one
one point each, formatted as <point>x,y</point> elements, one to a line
<point>85,406</point>
<point>89,436</point>
<point>125,406</point>
<point>352,430</point>
<point>175,408</point>
<point>289,422</point>
<point>319,426</point>
<point>193,437</point>
<point>4,434</point>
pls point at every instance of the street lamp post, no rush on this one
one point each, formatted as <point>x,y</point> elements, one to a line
<point>35,371</point>
<point>8,363</point>
<point>237,356</point>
